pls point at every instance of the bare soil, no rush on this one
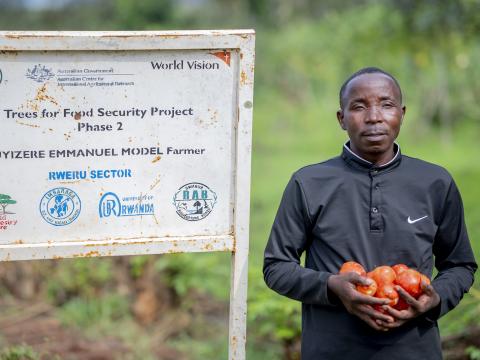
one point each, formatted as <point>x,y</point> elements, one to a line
<point>35,325</point>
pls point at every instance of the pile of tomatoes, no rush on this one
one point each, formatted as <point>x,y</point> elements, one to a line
<point>385,278</point>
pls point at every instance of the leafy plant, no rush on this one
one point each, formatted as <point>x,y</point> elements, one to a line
<point>137,265</point>
<point>19,352</point>
<point>85,313</point>
<point>79,277</point>
<point>203,272</point>
<point>473,352</point>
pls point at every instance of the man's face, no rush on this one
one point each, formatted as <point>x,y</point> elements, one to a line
<point>372,116</point>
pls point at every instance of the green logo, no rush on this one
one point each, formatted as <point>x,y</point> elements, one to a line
<point>6,200</point>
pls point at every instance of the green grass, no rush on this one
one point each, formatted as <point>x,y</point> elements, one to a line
<point>19,352</point>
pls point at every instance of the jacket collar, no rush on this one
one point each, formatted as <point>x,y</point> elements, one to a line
<point>360,163</point>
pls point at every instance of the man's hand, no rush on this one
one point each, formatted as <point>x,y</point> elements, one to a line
<point>356,303</point>
<point>428,300</point>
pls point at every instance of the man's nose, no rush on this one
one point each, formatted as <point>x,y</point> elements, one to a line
<point>374,114</point>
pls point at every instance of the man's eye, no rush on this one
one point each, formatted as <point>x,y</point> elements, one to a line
<point>358,107</point>
<point>387,105</point>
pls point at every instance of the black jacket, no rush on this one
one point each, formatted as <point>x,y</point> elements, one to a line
<point>407,211</point>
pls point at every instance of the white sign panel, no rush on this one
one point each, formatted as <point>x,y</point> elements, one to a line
<point>101,145</point>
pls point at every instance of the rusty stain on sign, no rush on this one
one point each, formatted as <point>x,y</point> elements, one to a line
<point>155,182</point>
<point>74,181</point>
<point>7,50</point>
<point>88,254</point>
<point>214,115</point>
<point>243,78</point>
<point>43,96</point>
<point>224,56</point>
<point>25,124</point>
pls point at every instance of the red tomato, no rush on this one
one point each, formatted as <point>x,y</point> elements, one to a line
<point>387,291</point>
<point>352,266</point>
<point>410,281</point>
<point>369,290</point>
<point>401,304</point>
<point>425,279</point>
<point>399,268</point>
<point>383,275</point>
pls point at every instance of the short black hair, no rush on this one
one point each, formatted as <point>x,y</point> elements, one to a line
<point>367,70</point>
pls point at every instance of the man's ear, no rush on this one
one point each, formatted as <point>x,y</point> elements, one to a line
<point>340,119</point>
<point>404,110</point>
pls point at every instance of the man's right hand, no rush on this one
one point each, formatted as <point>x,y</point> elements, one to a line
<point>356,303</point>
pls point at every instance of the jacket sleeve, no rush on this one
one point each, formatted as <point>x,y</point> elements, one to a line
<point>454,257</point>
<point>288,239</point>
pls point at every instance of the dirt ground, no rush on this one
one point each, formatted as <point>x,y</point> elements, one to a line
<point>454,346</point>
<point>35,325</point>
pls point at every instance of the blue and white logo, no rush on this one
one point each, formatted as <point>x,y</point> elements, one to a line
<point>39,73</point>
<point>111,205</point>
<point>194,201</point>
<point>60,206</point>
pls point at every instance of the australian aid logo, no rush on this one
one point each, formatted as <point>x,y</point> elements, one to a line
<point>7,216</point>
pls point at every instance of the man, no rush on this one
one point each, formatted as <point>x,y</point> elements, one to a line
<point>378,207</point>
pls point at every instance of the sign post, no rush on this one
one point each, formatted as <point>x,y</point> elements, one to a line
<point>127,143</point>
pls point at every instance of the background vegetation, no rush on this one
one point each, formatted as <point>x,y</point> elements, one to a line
<point>176,306</point>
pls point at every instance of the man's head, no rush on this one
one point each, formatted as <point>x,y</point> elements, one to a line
<point>371,112</point>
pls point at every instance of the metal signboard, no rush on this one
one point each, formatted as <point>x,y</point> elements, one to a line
<point>123,143</point>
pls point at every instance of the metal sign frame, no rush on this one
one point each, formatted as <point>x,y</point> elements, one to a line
<point>242,41</point>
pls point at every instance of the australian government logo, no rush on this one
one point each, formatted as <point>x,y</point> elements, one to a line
<point>194,201</point>
<point>7,215</point>
<point>39,73</point>
<point>138,205</point>
<point>60,206</point>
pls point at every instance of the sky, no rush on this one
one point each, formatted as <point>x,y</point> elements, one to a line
<point>43,4</point>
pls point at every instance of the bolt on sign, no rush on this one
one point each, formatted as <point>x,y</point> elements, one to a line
<point>125,143</point>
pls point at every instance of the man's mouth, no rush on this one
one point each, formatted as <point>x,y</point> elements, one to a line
<point>374,135</point>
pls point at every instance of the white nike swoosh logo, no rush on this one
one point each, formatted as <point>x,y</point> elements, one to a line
<point>410,221</point>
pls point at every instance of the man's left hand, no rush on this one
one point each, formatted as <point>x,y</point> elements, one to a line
<point>428,300</point>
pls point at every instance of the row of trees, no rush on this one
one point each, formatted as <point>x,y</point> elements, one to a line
<point>428,31</point>
<point>426,18</point>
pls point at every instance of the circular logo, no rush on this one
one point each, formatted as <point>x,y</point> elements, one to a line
<point>194,201</point>
<point>60,206</point>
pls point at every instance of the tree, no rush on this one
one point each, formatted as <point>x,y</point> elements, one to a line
<point>6,200</point>
<point>133,14</point>
<point>197,205</point>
